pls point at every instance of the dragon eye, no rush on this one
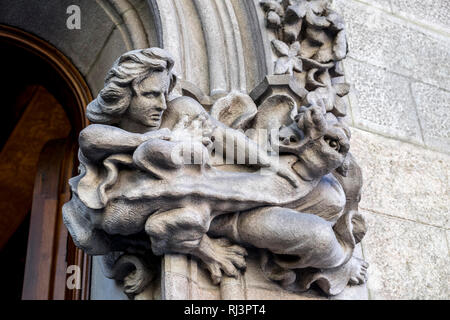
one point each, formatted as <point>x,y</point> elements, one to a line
<point>333,143</point>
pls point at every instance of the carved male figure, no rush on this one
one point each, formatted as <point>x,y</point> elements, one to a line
<point>133,181</point>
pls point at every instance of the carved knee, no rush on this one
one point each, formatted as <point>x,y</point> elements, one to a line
<point>178,230</point>
<point>125,217</point>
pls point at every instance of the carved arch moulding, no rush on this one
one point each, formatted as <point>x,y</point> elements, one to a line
<point>165,171</point>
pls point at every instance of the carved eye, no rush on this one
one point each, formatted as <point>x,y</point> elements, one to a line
<point>333,143</point>
<point>152,94</point>
<point>293,139</point>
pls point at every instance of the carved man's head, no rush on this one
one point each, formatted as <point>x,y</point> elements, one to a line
<point>136,89</point>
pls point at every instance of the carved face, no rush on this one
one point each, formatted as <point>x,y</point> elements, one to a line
<point>316,157</point>
<point>149,100</point>
<point>326,153</point>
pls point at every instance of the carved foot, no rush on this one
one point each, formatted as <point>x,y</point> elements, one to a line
<point>221,256</point>
<point>358,272</point>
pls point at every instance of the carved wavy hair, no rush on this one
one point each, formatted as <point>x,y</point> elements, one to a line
<point>114,99</point>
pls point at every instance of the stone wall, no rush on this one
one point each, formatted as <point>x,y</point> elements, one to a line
<point>399,67</point>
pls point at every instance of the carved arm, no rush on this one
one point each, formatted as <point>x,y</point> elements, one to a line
<point>97,141</point>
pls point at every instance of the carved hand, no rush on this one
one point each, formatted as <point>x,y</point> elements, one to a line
<point>163,134</point>
<point>312,122</point>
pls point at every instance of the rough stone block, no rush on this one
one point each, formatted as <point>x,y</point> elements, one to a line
<point>381,39</point>
<point>403,180</point>
<point>381,101</point>
<point>430,12</point>
<point>408,260</point>
<point>433,106</point>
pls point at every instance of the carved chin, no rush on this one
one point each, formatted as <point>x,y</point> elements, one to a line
<point>152,123</point>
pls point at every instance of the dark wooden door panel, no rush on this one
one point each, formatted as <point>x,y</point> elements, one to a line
<point>50,249</point>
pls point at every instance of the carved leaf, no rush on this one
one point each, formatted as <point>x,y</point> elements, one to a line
<point>325,54</point>
<point>308,49</point>
<point>316,20</point>
<point>273,19</point>
<point>282,65</point>
<point>297,11</point>
<point>340,45</point>
<point>338,69</point>
<point>318,6</point>
<point>294,49</point>
<point>272,5</point>
<point>318,36</point>
<point>281,48</point>
<point>298,64</point>
<point>311,64</point>
<point>337,23</point>
<point>291,31</point>
<point>340,107</point>
<point>342,89</point>
<point>311,79</point>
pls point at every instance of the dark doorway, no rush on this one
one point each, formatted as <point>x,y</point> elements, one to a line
<point>43,100</point>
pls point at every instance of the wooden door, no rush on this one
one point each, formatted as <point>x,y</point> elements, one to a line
<point>50,249</point>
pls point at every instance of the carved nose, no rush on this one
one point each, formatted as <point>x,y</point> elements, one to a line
<point>285,141</point>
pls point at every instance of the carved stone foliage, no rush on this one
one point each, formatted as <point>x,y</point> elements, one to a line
<point>270,170</point>
<point>310,43</point>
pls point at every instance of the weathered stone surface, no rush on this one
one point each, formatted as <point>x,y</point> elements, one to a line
<point>183,279</point>
<point>382,4</point>
<point>184,275</point>
<point>381,39</point>
<point>408,260</point>
<point>114,48</point>
<point>403,180</point>
<point>381,101</point>
<point>433,106</point>
<point>428,12</point>
<point>81,46</point>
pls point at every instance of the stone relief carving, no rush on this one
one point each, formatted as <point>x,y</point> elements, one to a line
<point>270,170</point>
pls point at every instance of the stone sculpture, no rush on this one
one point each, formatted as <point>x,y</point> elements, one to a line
<point>270,170</point>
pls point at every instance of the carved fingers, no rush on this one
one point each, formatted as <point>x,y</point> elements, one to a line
<point>163,134</point>
<point>312,122</point>
<point>223,257</point>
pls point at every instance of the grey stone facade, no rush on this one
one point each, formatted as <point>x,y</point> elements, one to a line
<point>399,67</point>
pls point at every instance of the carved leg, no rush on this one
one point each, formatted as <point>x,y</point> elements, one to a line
<point>333,281</point>
<point>77,218</point>
<point>299,240</point>
<point>179,230</point>
<point>183,230</point>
